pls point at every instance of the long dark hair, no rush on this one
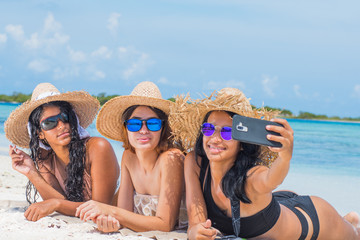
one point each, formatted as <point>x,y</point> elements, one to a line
<point>77,152</point>
<point>166,139</point>
<point>233,182</point>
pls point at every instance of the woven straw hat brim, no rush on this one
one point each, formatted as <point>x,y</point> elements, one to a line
<point>187,115</point>
<point>84,105</point>
<point>108,122</point>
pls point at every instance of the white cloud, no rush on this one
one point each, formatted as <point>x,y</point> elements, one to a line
<point>297,90</point>
<point>138,66</point>
<point>217,85</point>
<point>102,52</point>
<point>50,25</point>
<point>34,41</point>
<point>269,84</point>
<point>57,39</point>
<point>38,65</point>
<point>62,73</point>
<point>49,39</point>
<point>113,23</point>
<point>100,74</point>
<point>15,31</point>
<point>49,50</point>
<point>163,80</point>
<point>76,56</point>
<point>122,50</point>
<point>357,91</point>
<point>235,84</point>
<point>3,38</point>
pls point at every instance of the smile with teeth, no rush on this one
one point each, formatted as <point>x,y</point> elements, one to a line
<point>216,148</point>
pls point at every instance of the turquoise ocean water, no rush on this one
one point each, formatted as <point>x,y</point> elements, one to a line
<point>326,159</point>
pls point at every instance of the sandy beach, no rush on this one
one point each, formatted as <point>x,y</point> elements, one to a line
<point>13,224</point>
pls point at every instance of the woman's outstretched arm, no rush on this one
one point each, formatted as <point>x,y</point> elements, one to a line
<point>266,179</point>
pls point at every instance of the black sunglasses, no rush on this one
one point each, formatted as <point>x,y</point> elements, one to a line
<point>51,122</point>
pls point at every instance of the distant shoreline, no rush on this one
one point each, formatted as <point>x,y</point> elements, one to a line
<point>287,117</point>
<point>10,102</point>
<point>325,120</point>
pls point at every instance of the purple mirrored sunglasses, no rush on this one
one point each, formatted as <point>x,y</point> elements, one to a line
<point>208,130</point>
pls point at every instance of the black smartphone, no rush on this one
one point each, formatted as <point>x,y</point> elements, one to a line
<point>252,130</point>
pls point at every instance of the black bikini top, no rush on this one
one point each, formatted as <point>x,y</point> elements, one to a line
<point>251,226</point>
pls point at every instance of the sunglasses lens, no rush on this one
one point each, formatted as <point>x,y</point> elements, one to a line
<point>154,124</point>
<point>207,129</point>
<point>52,122</point>
<point>64,117</point>
<point>49,123</point>
<point>226,133</point>
<point>133,125</point>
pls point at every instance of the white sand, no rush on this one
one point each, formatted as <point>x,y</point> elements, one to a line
<point>13,224</point>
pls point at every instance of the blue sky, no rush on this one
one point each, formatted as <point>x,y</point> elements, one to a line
<point>297,55</point>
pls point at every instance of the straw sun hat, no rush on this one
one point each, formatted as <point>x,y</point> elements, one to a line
<point>187,115</point>
<point>84,105</point>
<point>109,122</point>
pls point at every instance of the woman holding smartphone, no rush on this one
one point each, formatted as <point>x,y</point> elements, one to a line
<point>229,184</point>
<point>152,172</point>
<point>66,166</point>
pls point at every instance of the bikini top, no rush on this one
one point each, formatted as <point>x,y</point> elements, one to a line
<point>251,226</point>
<point>147,205</point>
<point>59,170</point>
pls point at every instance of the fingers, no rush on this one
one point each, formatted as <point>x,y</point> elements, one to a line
<point>90,216</point>
<point>286,133</point>
<point>31,214</point>
<point>28,213</point>
<point>82,209</point>
<point>88,211</point>
<point>13,150</point>
<point>283,122</point>
<point>207,224</point>
<point>206,230</point>
<point>107,223</point>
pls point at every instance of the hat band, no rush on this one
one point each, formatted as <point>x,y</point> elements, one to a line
<point>46,94</point>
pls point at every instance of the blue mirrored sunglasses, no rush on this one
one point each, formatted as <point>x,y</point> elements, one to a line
<point>51,122</point>
<point>134,124</point>
<point>208,130</point>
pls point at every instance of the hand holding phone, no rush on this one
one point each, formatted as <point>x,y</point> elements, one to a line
<point>253,130</point>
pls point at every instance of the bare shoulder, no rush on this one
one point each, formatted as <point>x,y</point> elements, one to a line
<point>192,164</point>
<point>172,154</point>
<point>252,172</point>
<point>98,144</point>
<point>128,157</point>
<point>170,160</point>
<point>100,149</point>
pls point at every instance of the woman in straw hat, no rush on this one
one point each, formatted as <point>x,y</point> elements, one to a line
<point>152,178</point>
<point>66,166</point>
<point>229,183</point>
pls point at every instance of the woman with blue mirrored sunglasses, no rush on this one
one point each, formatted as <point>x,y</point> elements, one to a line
<point>152,180</point>
<point>134,124</point>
